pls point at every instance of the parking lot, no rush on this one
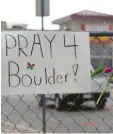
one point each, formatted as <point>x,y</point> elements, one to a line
<point>25,112</point>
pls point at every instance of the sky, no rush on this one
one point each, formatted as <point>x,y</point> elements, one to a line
<point>23,11</point>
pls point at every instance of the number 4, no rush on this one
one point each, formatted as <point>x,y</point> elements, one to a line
<point>71,45</point>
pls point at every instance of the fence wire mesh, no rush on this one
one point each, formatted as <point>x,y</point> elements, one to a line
<point>23,113</point>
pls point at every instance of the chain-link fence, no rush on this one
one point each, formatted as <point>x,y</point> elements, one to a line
<point>72,113</point>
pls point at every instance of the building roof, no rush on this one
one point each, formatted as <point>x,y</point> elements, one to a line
<point>91,13</point>
<point>86,14</point>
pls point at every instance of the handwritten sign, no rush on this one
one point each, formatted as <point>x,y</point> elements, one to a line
<point>36,62</point>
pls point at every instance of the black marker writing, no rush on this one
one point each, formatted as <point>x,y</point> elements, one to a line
<point>36,82</point>
<point>59,77</point>
<point>38,43</point>
<point>71,45</point>
<point>21,37</point>
<point>15,79</point>
<point>24,77</point>
<point>50,41</point>
<point>75,70</point>
<point>7,42</point>
<point>51,79</point>
<point>66,77</point>
<point>13,74</point>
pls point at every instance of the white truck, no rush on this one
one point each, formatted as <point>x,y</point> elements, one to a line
<point>97,84</point>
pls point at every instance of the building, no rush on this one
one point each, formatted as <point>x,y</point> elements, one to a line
<point>86,21</point>
<point>3,25</point>
<point>19,26</point>
<point>13,26</point>
<point>92,22</point>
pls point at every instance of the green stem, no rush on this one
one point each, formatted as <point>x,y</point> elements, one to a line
<point>104,90</point>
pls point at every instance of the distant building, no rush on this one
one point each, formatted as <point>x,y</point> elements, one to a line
<point>3,25</point>
<point>14,26</point>
<point>19,26</point>
<point>86,21</point>
<point>92,22</point>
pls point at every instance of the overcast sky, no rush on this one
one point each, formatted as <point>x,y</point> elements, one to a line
<point>23,11</point>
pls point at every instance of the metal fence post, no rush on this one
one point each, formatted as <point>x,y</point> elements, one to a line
<point>43,96</point>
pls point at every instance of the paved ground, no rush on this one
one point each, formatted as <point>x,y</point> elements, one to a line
<point>23,114</point>
<point>26,113</point>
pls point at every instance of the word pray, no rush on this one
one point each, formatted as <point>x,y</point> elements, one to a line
<point>37,43</point>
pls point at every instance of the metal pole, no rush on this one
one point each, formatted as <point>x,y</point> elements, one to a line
<point>43,96</point>
<point>42,14</point>
<point>44,114</point>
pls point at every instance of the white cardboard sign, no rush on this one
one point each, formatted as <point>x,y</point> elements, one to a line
<point>36,62</point>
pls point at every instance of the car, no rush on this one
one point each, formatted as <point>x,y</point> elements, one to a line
<point>61,101</point>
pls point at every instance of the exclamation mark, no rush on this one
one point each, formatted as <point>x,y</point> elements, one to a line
<point>75,69</point>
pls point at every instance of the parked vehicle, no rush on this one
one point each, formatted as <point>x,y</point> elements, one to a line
<point>97,84</point>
